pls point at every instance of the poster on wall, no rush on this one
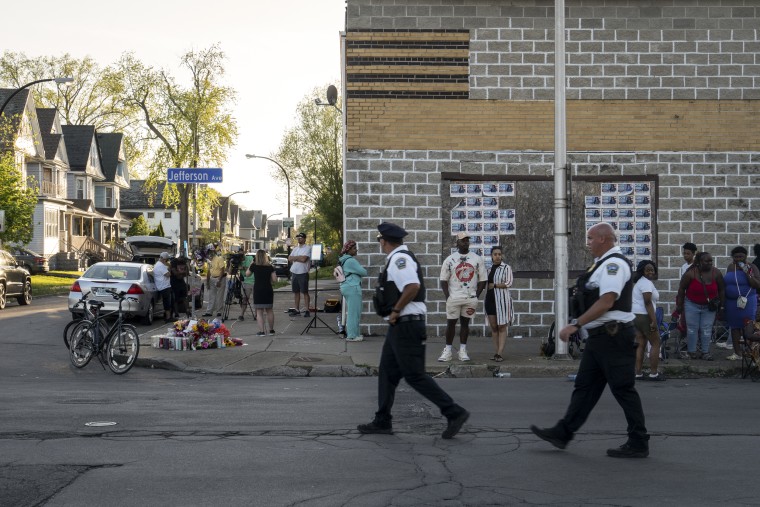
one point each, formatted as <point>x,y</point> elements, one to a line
<point>627,207</point>
<point>478,214</point>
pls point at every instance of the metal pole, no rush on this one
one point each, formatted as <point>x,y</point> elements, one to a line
<point>195,218</point>
<point>27,85</point>
<point>560,182</point>
<point>287,180</point>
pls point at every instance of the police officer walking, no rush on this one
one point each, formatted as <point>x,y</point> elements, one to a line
<point>603,302</point>
<point>403,354</point>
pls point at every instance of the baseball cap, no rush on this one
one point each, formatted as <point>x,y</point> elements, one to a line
<point>300,235</point>
<point>462,235</point>
<point>164,255</point>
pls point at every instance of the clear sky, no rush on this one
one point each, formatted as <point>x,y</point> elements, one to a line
<point>277,52</point>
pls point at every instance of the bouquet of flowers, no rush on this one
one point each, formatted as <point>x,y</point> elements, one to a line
<point>202,334</point>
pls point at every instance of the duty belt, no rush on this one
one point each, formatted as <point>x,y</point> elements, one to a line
<point>605,328</point>
<point>409,318</point>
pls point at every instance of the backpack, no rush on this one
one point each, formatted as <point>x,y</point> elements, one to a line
<point>387,294</point>
<point>338,273</point>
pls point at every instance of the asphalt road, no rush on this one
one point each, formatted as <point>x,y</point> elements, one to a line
<point>192,439</point>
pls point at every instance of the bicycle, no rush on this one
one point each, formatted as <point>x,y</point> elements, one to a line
<point>119,347</point>
<point>89,315</point>
<point>575,344</point>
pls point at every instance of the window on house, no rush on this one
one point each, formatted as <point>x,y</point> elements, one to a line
<point>80,188</point>
<point>109,197</point>
<point>168,214</point>
<point>151,214</point>
<point>51,223</point>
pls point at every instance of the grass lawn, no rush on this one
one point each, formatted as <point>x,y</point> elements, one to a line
<point>45,285</point>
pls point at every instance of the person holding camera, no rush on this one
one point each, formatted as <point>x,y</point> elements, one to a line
<point>742,281</point>
<point>701,294</point>
<point>216,275</point>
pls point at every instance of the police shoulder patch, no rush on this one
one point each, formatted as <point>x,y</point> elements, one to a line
<point>401,263</point>
<point>612,268</point>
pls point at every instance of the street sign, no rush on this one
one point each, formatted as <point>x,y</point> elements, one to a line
<point>194,175</point>
<point>288,222</point>
<point>2,220</point>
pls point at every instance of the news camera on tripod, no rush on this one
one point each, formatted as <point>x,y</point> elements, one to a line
<point>235,288</point>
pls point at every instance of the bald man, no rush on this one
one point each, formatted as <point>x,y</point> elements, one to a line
<point>603,297</point>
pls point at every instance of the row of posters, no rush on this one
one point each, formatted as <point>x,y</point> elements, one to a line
<point>627,207</point>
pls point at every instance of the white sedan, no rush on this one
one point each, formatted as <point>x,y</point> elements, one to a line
<point>134,278</point>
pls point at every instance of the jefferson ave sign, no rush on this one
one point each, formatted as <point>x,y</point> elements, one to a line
<point>189,175</point>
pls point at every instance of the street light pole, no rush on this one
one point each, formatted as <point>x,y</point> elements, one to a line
<point>226,201</point>
<point>59,80</point>
<point>287,180</point>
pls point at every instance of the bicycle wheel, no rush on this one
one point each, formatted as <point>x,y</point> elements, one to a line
<point>82,344</point>
<point>71,328</point>
<point>123,348</point>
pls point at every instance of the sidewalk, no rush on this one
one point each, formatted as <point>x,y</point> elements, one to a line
<point>296,351</point>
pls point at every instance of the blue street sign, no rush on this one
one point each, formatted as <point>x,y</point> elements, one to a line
<point>190,175</point>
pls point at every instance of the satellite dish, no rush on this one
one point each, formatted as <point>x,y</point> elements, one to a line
<point>332,95</point>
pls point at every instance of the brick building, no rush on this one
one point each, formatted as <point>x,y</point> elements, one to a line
<point>445,99</point>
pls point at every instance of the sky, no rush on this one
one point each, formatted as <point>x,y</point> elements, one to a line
<point>277,51</point>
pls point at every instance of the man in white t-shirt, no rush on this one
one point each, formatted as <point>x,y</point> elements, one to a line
<point>161,276</point>
<point>300,257</point>
<point>463,278</point>
<point>689,251</point>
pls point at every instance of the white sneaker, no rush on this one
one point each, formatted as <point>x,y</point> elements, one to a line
<point>724,345</point>
<point>356,339</point>
<point>445,356</point>
<point>734,357</point>
<point>463,355</point>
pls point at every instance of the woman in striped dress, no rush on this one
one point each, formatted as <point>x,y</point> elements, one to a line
<point>498,303</point>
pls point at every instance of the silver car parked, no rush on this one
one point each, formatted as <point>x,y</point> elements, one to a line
<point>134,278</point>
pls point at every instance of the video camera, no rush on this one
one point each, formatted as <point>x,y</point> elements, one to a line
<point>234,261</point>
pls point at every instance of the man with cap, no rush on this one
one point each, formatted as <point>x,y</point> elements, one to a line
<point>161,276</point>
<point>463,278</point>
<point>403,353</point>
<point>300,259</point>
<point>216,275</point>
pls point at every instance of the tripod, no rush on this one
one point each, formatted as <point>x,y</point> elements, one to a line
<point>235,289</point>
<point>313,322</point>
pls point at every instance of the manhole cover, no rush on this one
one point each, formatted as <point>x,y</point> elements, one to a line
<point>100,423</point>
<point>307,359</point>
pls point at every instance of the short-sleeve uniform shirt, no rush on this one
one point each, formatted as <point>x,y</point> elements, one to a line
<point>463,272</point>
<point>402,270</point>
<point>611,276</point>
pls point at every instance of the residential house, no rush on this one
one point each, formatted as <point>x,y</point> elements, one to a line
<point>137,200</point>
<point>107,192</point>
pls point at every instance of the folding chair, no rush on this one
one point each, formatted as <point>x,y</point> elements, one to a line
<point>664,330</point>
<point>751,351</point>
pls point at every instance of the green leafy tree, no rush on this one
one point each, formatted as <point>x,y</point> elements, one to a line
<point>95,97</point>
<point>188,125</point>
<point>158,231</point>
<point>312,153</point>
<point>139,227</point>
<point>17,199</point>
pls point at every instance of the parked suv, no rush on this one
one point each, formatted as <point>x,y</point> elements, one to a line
<point>146,249</point>
<point>281,265</point>
<point>15,281</point>
<point>32,261</point>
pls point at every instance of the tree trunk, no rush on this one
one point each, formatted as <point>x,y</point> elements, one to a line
<point>184,206</point>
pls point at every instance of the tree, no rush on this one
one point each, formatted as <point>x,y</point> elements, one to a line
<point>139,227</point>
<point>158,231</point>
<point>189,126</point>
<point>96,96</point>
<point>312,153</point>
<point>17,199</point>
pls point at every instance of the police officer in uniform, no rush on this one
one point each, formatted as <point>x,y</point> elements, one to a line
<point>604,302</point>
<point>403,354</point>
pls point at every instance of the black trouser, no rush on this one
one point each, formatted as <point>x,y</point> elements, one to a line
<point>607,360</point>
<point>403,356</point>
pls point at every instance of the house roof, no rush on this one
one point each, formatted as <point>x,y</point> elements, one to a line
<point>50,141</point>
<point>137,198</point>
<point>13,110</point>
<point>245,219</point>
<point>78,139</point>
<point>110,145</point>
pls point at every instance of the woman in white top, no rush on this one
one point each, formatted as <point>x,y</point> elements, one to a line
<point>645,297</point>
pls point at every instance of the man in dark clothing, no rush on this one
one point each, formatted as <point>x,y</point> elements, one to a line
<point>604,303</point>
<point>403,354</point>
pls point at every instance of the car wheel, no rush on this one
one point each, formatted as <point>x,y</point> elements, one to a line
<point>2,296</point>
<point>148,317</point>
<point>26,297</point>
<point>28,268</point>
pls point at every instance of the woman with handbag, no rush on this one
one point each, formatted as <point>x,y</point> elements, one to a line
<point>701,296</point>
<point>742,281</point>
